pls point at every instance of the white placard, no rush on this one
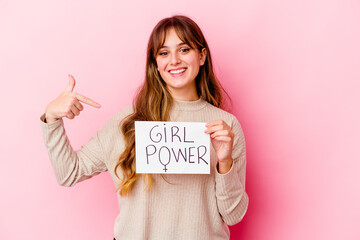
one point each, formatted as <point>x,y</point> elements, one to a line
<point>172,147</point>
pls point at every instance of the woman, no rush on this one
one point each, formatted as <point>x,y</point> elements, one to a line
<point>180,85</point>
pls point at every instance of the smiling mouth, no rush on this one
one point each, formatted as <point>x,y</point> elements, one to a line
<point>177,72</point>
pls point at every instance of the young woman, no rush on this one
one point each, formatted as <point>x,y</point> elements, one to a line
<point>180,85</point>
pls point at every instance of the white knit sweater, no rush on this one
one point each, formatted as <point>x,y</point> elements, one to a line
<point>183,206</point>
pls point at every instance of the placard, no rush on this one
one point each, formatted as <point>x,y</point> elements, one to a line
<point>172,147</point>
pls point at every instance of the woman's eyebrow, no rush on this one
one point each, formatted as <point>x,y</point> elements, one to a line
<point>180,44</point>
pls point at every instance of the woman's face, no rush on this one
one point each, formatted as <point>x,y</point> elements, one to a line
<point>178,65</point>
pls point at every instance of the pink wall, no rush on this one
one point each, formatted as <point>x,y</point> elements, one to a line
<point>291,68</point>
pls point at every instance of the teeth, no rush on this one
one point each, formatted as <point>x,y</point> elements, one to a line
<point>178,71</point>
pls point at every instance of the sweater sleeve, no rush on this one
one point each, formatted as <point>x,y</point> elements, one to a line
<point>232,200</point>
<point>72,166</point>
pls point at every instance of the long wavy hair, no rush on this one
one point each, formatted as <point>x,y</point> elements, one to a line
<point>153,100</point>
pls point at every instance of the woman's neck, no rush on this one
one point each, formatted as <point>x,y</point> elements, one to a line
<point>185,95</point>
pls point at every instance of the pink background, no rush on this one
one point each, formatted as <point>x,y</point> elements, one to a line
<point>291,68</point>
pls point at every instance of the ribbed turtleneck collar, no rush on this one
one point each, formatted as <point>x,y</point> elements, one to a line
<point>180,105</point>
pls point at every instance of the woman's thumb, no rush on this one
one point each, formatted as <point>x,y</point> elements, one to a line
<point>71,85</point>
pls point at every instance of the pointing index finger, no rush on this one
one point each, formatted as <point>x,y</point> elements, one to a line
<point>87,100</point>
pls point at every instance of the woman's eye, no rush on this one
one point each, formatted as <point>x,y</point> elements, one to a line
<point>163,53</point>
<point>185,49</point>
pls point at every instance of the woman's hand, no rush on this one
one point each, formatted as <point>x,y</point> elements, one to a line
<point>222,138</point>
<point>67,104</point>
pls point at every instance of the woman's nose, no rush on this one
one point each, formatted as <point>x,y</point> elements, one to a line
<point>175,59</point>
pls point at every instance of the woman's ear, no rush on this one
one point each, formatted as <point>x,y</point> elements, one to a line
<point>202,56</point>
